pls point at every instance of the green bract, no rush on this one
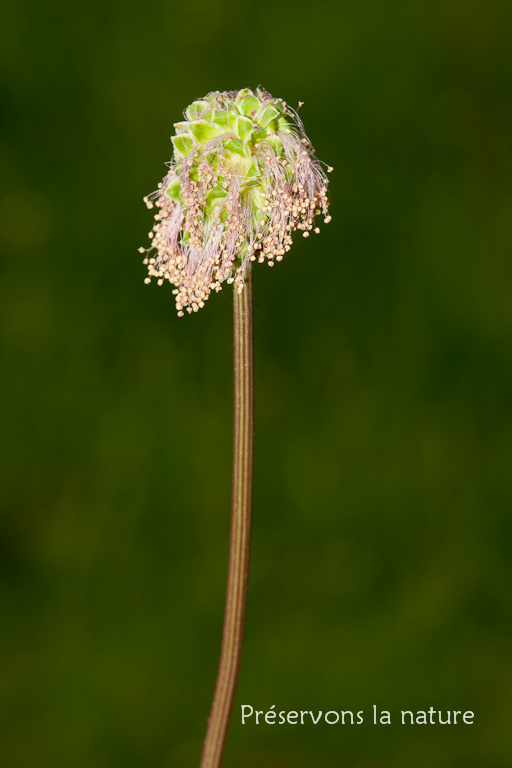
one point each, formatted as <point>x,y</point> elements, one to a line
<point>242,179</point>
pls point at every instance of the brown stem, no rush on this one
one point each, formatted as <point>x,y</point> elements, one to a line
<point>240,543</point>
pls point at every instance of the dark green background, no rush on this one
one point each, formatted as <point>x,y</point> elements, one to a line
<point>381,570</point>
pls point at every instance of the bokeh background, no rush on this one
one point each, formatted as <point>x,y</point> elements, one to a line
<point>381,568</point>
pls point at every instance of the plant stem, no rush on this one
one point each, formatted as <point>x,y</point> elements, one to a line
<point>241,507</point>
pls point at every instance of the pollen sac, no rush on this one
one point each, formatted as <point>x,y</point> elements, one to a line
<point>242,179</point>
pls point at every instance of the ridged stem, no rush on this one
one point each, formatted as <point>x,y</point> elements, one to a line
<point>241,507</point>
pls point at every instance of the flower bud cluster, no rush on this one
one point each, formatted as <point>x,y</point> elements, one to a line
<point>243,178</point>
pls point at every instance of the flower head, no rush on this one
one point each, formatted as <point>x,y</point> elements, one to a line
<point>243,177</point>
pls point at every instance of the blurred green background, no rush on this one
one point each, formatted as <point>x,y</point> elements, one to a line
<point>382,555</point>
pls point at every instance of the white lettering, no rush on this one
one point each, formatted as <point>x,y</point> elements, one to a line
<point>246,706</point>
<point>271,715</point>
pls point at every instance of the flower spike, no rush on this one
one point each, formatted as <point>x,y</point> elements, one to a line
<point>243,177</point>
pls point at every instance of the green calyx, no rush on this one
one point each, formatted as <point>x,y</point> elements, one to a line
<point>229,131</point>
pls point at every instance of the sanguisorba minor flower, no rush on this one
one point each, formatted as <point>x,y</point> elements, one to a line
<point>243,177</point>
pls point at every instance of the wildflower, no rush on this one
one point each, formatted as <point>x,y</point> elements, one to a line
<point>242,179</point>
